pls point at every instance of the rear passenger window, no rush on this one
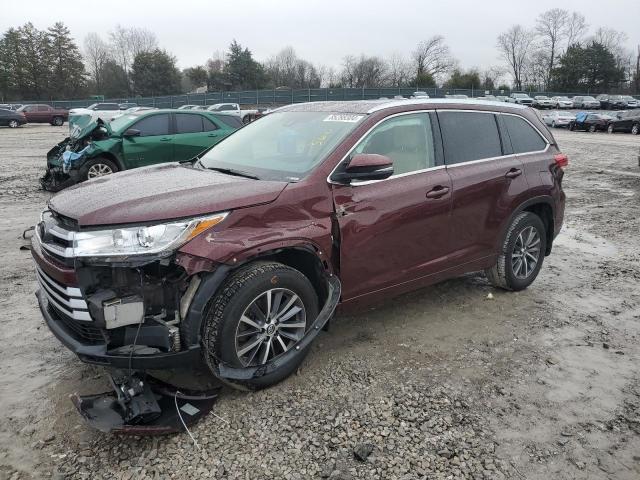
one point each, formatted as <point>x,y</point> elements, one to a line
<point>469,136</point>
<point>187,123</point>
<point>406,139</point>
<point>524,138</point>
<point>209,126</point>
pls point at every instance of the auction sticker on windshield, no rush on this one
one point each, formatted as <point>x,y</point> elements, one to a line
<point>343,117</point>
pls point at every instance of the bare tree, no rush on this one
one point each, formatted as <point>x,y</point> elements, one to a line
<point>614,41</point>
<point>287,69</point>
<point>398,70</point>
<point>551,28</point>
<point>637,73</point>
<point>514,46</point>
<point>126,43</point>
<point>363,72</point>
<point>432,57</point>
<point>576,28</point>
<point>96,52</point>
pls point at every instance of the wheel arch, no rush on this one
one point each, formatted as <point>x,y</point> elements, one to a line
<point>544,208</point>
<point>303,258</point>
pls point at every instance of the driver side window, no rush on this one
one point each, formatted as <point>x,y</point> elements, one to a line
<point>406,139</point>
<point>153,125</point>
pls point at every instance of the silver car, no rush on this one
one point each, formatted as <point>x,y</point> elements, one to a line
<point>558,119</point>
<point>585,101</point>
<point>562,102</point>
<point>542,101</point>
<point>631,102</point>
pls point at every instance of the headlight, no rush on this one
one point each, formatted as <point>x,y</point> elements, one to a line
<point>164,237</point>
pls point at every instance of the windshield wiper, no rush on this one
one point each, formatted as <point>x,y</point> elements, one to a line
<point>232,171</point>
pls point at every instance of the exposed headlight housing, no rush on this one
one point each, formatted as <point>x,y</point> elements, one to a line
<point>141,240</point>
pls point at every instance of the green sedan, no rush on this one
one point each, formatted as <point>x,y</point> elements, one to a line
<point>134,140</point>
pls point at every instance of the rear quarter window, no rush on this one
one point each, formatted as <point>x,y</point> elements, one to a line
<point>469,136</point>
<point>524,138</point>
<point>230,120</point>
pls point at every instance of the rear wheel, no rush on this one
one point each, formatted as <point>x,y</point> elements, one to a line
<point>635,130</point>
<point>57,121</point>
<point>610,129</point>
<point>553,124</point>
<point>522,253</point>
<point>262,311</point>
<point>592,128</point>
<point>97,167</point>
<point>13,124</point>
<point>571,126</point>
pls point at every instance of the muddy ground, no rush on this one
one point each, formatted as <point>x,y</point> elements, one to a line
<point>441,383</point>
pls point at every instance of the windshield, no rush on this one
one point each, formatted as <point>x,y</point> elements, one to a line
<point>283,145</point>
<point>121,122</point>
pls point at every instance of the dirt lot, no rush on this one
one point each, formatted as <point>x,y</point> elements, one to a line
<point>441,383</point>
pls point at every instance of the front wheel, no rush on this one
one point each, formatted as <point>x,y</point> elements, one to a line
<point>553,124</point>
<point>262,311</point>
<point>522,253</point>
<point>97,167</point>
<point>635,130</point>
<point>57,121</point>
<point>13,124</point>
<point>610,129</point>
<point>592,128</point>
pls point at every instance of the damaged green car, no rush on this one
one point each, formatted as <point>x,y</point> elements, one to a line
<point>134,140</point>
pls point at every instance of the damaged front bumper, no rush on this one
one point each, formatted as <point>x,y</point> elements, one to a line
<point>100,354</point>
<point>55,179</point>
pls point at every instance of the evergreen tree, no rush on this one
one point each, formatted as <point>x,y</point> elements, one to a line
<point>68,75</point>
<point>242,71</point>
<point>155,73</point>
<point>591,68</point>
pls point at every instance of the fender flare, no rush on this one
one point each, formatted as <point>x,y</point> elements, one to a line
<point>211,282</point>
<point>546,199</point>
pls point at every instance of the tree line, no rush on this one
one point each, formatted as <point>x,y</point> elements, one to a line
<point>557,53</point>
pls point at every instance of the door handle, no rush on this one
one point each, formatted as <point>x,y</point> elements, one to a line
<point>212,135</point>
<point>165,139</point>
<point>437,192</point>
<point>513,173</point>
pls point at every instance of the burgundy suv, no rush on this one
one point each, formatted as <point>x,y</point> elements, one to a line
<point>239,258</point>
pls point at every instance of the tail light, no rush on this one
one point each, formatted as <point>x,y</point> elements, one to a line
<point>561,160</point>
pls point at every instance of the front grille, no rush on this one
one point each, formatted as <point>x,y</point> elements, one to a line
<point>79,330</point>
<point>67,300</point>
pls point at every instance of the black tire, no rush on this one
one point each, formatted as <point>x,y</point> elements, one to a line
<point>13,124</point>
<point>571,127</point>
<point>246,120</point>
<point>57,121</point>
<point>592,128</point>
<point>635,130</point>
<point>553,124</point>
<point>87,170</point>
<point>502,274</point>
<point>610,129</point>
<point>222,316</point>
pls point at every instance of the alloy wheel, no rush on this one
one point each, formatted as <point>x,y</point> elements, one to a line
<point>592,128</point>
<point>99,170</point>
<point>13,123</point>
<point>610,129</point>
<point>526,252</point>
<point>635,129</point>
<point>270,326</point>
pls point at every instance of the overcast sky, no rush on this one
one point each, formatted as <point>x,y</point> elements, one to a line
<point>322,32</point>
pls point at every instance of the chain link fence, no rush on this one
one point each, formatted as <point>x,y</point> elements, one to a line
<point>275,97</point>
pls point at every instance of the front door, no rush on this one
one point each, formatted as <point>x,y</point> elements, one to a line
<point>396,230</point>
<point>153,145</point>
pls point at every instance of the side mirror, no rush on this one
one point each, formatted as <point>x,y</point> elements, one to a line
<point>131,132</point>
<point>365,166</point>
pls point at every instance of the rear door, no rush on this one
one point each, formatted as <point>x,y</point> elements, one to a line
<point>396,230</point>
<point>486,178</point>
<point>153,145</point>
<point>190,137</point>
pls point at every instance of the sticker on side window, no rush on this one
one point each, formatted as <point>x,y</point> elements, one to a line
<point>343,117</point>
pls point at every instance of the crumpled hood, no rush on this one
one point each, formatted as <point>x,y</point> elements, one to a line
<point>160,192</point>
<point>84,126</point>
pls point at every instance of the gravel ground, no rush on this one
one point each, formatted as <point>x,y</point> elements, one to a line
<point>445,382</point>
